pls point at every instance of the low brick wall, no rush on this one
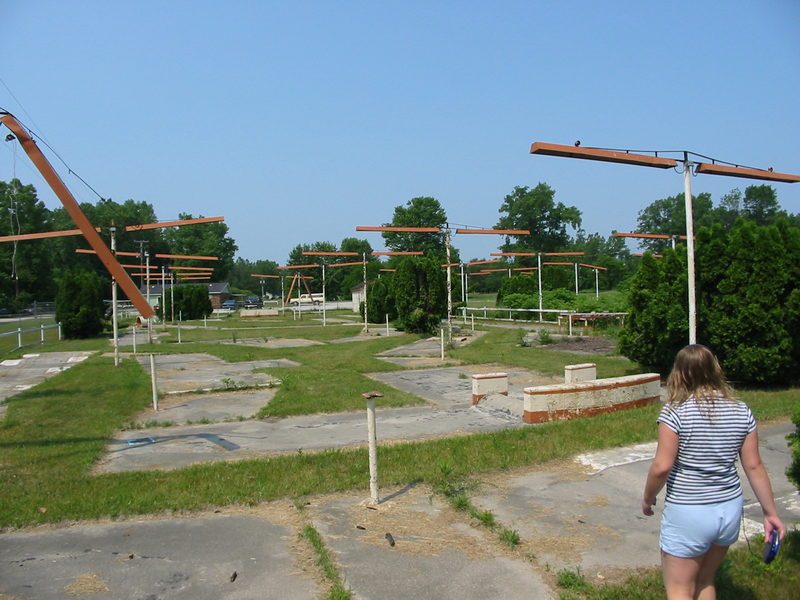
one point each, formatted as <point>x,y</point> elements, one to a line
<point>582,372</point>
<point>562,401</point>
<point>484,384</point>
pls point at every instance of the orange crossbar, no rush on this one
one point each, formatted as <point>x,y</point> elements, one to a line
<point>593,266</point>
<point>513,254</point>
<point>402,229</point>
<point>558,263</point>
<point>564,253</point>
<point>388,270</point>
<point>118,252</point>
<point>154,268</point>
<point>187,257</point>
<point>298,266</point>
<point>496,231</point>
<point>493,270</point>
<point>713,169</point>
<point>206,269</point>
<point>484,262</point>
<point>177,223</point>
<point>42,235</point>
<point>452,265</point>
<point>630,158</point>
<point>74,210</point>
<point>347,264</point>
<point>259,275</point>
<point>331,253</point>
<point>525,269</point>
<point>408,253</point>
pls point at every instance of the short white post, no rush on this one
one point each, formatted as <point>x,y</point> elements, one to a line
<point>19,337</point>
<point>373,445</point>
<point>205,322</point>
<point>387,324</point>
<point>134,340</point>
<point>180,317</point>
<point>441,330</point>
<point>473,321</point>
<point>41,333</point>
<point>154,385</point>
<point>59,332</point>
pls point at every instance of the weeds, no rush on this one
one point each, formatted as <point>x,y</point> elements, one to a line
<point>324,562</point>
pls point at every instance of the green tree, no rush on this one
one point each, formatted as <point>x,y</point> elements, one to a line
<point>27,264</point>
<point>79,304</point>
<point>241,276</point>
<point>657,325</point>
<point>191,302</point>
<point>422,211</point>
<point>536,210</point>
<point>420,294</point>
<point>204,239</point>
<point>380,301</point>
<point>667,216</point>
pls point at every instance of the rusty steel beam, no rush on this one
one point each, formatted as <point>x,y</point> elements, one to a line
<point>629,158</point>
<point>74,211</point>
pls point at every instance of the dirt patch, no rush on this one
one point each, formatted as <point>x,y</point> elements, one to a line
<point>583,345</point>
<point>88,583</point>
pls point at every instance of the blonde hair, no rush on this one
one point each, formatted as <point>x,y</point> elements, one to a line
<point>697,373</point>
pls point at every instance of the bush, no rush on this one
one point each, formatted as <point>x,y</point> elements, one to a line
<point>79,304</point>
<point>420,295</point>
<point>191,302</point>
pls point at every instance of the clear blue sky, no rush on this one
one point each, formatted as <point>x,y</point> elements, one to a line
<point>299,120</point>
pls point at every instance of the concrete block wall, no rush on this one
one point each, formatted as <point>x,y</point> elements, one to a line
<point>582,372</point>
<point>563,401</point>
<point>484,384</point>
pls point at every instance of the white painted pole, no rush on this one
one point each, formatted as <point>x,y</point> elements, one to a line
<point>687,192</point>
<point>134,339</point>
<point>373,445</point>
<point>441,336</point>
<point>387,324</point>
<point>473,321</point>
<point>539,271</point>
<point>596,283</point>
<point>154,385</point>
<point>576,278</point>
<point>366,324</point>
<point>180,318</point>
<point>114,325</point>
<point>449,287</point>
<point>324,322</point>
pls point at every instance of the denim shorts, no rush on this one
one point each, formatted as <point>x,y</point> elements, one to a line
<point>689,530</point>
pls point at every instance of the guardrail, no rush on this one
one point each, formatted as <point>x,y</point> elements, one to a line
<point>41,329</point>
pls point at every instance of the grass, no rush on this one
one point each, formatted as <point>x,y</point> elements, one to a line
<point>55,432</point>
<point>326,565</point>
<point>742,576</point>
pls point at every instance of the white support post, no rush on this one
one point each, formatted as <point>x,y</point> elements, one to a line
<point>324,321</point>
<point>114,324</point>
<point>539,271</point>
<point>154,385</point>
<point>687,192</point>
<point>387,324</point>
<point>19,337</point>
<point>366,324</point>
<point>441,336</point>
<point>180,318</point>
<point>134,339</point>
<point>373,445</point>
<point>449,287</point>
<point>576,278</point>
<point>596,283</point>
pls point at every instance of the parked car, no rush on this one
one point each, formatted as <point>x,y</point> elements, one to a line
<point>253,302</point>
<point>306,299</point>
<point>229,304</point>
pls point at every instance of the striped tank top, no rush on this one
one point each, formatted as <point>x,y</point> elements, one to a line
<point>710,436</point>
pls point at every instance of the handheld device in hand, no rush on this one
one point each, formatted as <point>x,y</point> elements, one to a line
<point>771,546</point>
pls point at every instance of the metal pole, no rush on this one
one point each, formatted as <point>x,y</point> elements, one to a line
<point>441,336</point>
<point>114,325</point>
<point>172,297</point>
<point>180,318</point>
<point>596,283</point>
<point>687,191</point>
<point>366,325</point>
<point>134,339</point>
<point>539,271</point>
<point>463,287</point>
<point>154,385</point>
<point>373,445</point>
<point>449,287</point>
<point>324,322</point>
<point>576,278</point>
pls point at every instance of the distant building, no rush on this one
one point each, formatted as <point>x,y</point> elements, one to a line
<point>217,292</point>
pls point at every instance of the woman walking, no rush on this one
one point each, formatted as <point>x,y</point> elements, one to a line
<point>702,429</point>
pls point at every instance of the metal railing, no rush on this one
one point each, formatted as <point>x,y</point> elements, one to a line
<point>20,335</point>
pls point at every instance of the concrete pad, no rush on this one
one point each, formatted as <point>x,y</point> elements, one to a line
<point>181,373</point>
<point>167,448</point>
<point>268,342</point>
<point>211,407</point>
<point>586,512</point>
<point>20,374</point>
<point>169,558</point>
<point>432,346</point>
<point>436,551</point>
<point>452,386</point>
